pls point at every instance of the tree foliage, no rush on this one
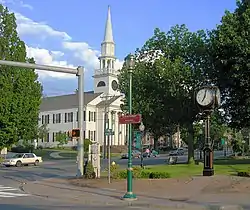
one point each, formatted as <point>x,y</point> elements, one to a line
<point>19,89</point>
<point>169,68</point>
<point>230,51</point>
<point>61,138</point>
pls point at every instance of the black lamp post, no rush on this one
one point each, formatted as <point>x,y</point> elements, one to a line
<point>207,99</point>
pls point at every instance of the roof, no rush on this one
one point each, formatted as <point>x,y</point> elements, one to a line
<point>108,35</point>
<point>108,102</point>
<point>66,101</point>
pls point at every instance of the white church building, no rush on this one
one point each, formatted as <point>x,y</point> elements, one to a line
<point>60,113</point>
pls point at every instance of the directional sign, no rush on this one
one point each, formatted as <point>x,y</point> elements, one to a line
<point>130,119</point>
<point>109,132</point>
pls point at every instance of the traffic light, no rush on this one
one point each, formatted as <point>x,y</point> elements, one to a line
<point>75,133</point>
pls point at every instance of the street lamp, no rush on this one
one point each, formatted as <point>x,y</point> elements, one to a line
<point>141,128</point>
<point>130,64</point>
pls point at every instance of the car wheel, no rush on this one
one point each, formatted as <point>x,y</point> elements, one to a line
<point>18,164</point>
<point>36,163</point>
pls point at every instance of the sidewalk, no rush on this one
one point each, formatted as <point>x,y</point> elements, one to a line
<point>196,193</point>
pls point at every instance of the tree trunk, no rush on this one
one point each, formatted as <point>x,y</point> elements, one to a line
<point>190,144</point>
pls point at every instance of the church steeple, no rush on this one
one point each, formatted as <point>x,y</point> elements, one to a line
<point>108,35</point>
<point>105,77</point>
<point>108,44</point>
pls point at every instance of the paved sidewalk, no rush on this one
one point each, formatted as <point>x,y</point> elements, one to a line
<point>193,193</point>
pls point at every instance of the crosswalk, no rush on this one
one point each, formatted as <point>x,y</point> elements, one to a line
<point>9,192</point>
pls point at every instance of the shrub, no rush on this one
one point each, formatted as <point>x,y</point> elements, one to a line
<point>40,147</point>
<point>140,173</point>
<point>145,174</point>
<point>120,174</point>
<point>114,168</point>
<point>243,174</point>
<point>74,148</point>
<point>159,175</point>
<point>89,172</point>
<point>20,149</point>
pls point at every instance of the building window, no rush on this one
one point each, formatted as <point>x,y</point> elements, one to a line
<point>101,84</point>
<point>92,116</point>
<point>68,117</point>
<point>84,116</point>
<point>45,138</point>
<point>89,134</point>
<point>45,119</point>
<point>94,135</point>
<point>84,135</point>
<point>54,137</point>
<point>57,118</point>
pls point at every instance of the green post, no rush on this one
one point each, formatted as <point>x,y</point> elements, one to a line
<point>129,194</point>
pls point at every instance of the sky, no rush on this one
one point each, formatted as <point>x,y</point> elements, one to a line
<point>69,33</point>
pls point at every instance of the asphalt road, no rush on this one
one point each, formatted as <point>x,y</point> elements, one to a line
<point>11,196</point>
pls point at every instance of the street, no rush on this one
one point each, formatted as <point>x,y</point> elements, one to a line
<point>12,179</point>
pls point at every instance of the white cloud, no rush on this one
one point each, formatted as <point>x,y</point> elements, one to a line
<point>51,58</point>
<point>79,53</point>
<point>87,55</point>
<point>83,52</point>
<point>16,2</point>
<point>26,26</point>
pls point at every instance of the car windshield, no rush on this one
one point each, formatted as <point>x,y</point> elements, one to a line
<point>18,156</point>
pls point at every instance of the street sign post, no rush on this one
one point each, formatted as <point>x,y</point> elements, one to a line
<point>109,132</point>
<point>130,119</point>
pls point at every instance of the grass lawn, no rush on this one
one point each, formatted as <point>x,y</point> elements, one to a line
<point>223,167</point>
<point>44,153</point>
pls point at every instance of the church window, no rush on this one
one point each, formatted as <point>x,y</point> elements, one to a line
<point>103,64</point>
<point>108,64</point>
<point>101,84</point>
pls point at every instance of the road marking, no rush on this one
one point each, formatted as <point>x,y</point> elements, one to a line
<point>4,192</point>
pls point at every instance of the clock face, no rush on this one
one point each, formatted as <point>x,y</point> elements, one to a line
<point>114,85</point>
<point>204,97</point>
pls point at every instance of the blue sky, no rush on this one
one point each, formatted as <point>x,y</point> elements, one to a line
<point>69,33</point>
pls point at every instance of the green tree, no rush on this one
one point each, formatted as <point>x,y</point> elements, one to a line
<point>169,68</point>
<point>19,89</point>
<point>87,142</point>
<point>230,56</point>
<point>42,131</point>
<point>61,138</point>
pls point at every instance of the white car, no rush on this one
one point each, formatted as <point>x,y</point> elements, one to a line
<point>176,152</point>
<point>21,159</point>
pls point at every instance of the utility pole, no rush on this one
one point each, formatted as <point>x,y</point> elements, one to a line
<point>78,72</point>
<point>178,135</point>
<point>106,124</point>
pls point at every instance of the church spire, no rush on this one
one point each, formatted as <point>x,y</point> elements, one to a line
<point>108,35</point>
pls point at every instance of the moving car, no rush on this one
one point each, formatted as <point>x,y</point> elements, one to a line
<point>176,152</point>
<point>21,159</point>
<point>135,154</point>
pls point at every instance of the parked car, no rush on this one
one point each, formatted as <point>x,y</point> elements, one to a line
<point>176,152</point>
<point>21,159</point>
<point>135,154</point>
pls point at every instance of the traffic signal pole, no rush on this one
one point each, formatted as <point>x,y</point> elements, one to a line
<point>80,161</point>
<point>78,72</point>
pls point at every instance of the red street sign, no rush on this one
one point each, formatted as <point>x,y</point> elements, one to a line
<point>130,119</point>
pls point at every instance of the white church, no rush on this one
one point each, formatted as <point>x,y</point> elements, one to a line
<point>60,113</point>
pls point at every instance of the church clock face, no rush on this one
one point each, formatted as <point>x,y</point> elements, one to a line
<point>114,85</point>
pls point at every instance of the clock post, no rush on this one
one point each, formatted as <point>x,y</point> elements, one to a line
<point>207,99</point>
